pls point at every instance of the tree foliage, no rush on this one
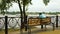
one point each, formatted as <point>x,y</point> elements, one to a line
<point>5,3</point>
<point>46,2</point>
<point>4,6</point>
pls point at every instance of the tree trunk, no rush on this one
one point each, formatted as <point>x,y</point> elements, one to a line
<point>24,12</point>
<point>21,14</point>
<point>25,17</point>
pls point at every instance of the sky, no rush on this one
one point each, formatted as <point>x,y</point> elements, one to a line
<point>39,6</point>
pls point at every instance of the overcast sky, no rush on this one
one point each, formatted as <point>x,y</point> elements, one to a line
<point>38,5</point>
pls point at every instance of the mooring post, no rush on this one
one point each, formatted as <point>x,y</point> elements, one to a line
<point>6,26</point>
<point>56,21</point>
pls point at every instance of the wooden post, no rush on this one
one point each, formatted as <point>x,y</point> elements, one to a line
<point>6,26</point>
<point>57,21</point>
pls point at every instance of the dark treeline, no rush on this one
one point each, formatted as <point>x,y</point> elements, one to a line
<point>13,13</point>
<point>10,13</point>
<point>54,13</point>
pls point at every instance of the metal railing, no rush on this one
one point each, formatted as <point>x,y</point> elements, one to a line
<point>12,22</point>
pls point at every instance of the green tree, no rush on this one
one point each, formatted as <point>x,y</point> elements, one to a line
<point>21,3</point>
<point>4,6</point>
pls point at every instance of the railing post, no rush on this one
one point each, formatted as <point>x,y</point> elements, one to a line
<point>6,26</point>
<point>57,21</point>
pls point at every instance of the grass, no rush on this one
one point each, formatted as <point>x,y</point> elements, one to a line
<point>50,32</point>
<point>34,31</point>
<point>12,31</point>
